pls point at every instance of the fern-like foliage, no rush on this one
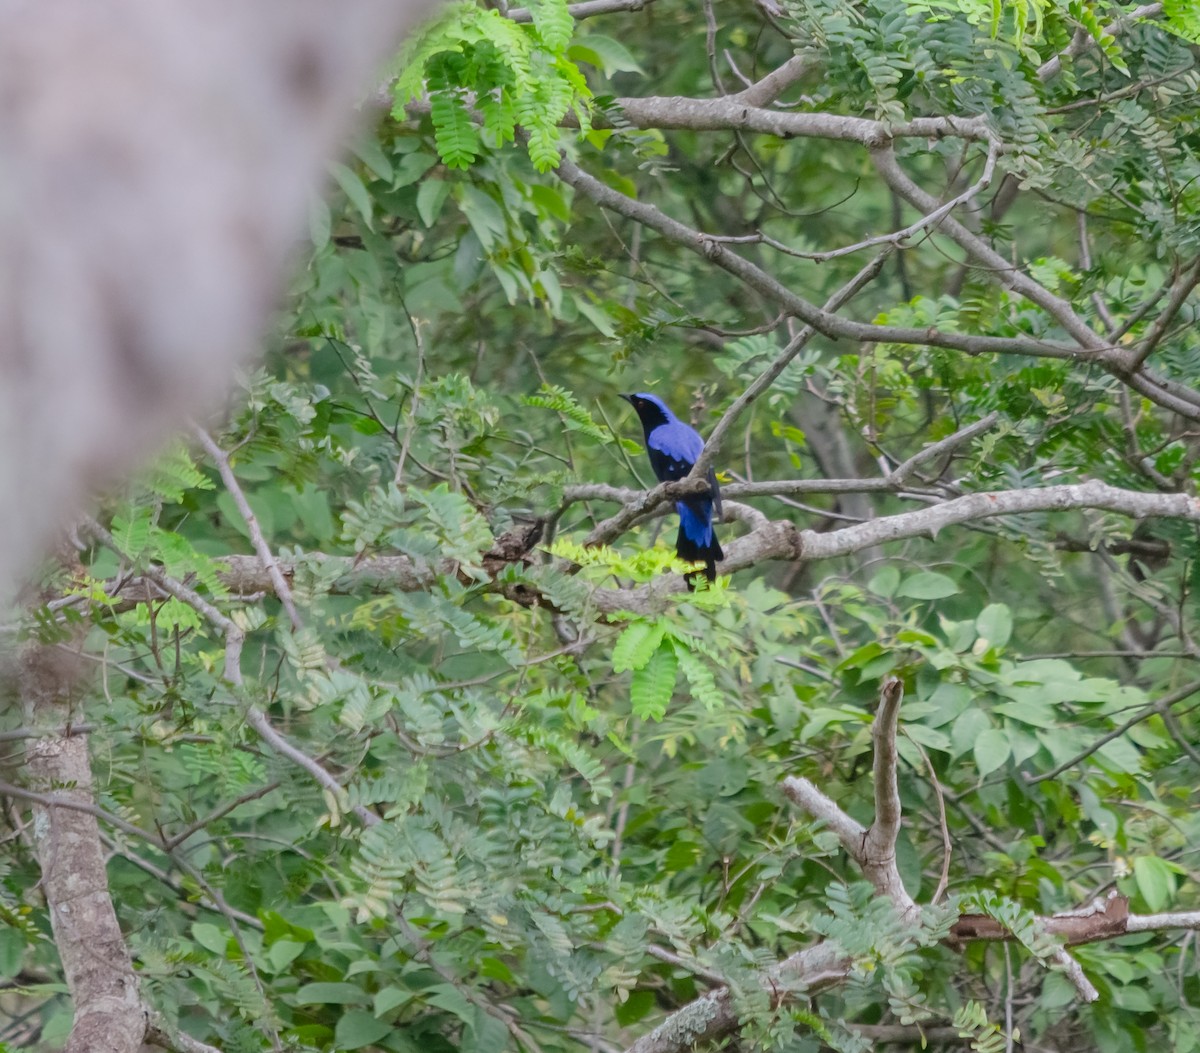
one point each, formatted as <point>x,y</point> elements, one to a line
<point>475,59</point>
<point>575,416</point>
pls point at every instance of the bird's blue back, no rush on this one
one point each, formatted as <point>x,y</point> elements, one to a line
<point>673,448</point>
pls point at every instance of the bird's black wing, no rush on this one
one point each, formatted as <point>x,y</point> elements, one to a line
<point>667,467</point>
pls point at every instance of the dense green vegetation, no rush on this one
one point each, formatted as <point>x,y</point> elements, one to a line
<point>542,803</point>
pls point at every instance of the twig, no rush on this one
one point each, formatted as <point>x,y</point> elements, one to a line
<point>257,719</point>
<point>283,591</point>
<point>895,239</point>
<point>903,471</point>
<point>1075,974</point>
<point>769,375</point>
<point>234,640</point>
<point>1159,705</point>
<point>171,843</point>
<point>1001,269</point>
<point>1081,41</point>
<point>1180,291</point>
<point>756,278</point>
<point>775,83</point>
<point>947,843</point>
<point>159,1034</point>
<point>415,325</point>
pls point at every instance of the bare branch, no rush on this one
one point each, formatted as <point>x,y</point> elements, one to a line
<point>873,849</point>
<point>766,91</point>
<point>879,847</point>
<point>777,539</point>
<point>282,590</point>
<point>1160,706</point>
<point>904,471</point>
<point>713,1015</point>
<point>257,719</point>
<point>756,278</point>
<point>769,375</point>
<point>1082,40</point>
<point>1180,291</point>
<point>998,267</point>
<point>159,1034</point>
<point>731,113</point>
<point>1074,971</point>
<point>234,640</point>
<point>896,238</point>
<point>585,9</point>
<point>1187,919</point>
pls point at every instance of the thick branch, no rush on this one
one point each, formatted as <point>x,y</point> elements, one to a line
<point>777,539</point>
<point>733,113</point>
<point>879,846</point>
<point>585,9</point>
<point>874,849</point>
<point>713,1015</point>
<point>95,961</point>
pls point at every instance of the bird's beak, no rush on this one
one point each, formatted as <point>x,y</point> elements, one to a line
<point>627,398</point>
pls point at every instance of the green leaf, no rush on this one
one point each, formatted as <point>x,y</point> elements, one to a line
<point>358,1028</point>
<point>485,1034</point>
<point>1155,881</point>
<point>885,581</point>
<point>210,937</point>
<point>605,54</point>
<point>320,222</point>
<point>484,214</point>
<point>282,953</point>
<point>390,998</point>
<point>636,645</point>
<point>332,993</point>
<point>995,624</point>
<point>353,188</point>
<point>927,585</point>
<point>992,749</point>
<point>431,196</point>
<point>968,727</point>
<point>636,1007</point>
<point>654,684</point>
<point>12,951</point>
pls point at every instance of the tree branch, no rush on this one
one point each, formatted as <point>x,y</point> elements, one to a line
<point>998,267</point>
<point>585,9</point>
<point>766,91</point>
<point>732,113</point>
<point>904,471</point>
<point>713,1015</point>
<point>96,963</point>
<point>777,539</point>
<point>767,285</point>
<point>281,588</point>
<point>769,375</point>
<point>873,849</point>
<point>1082,40</point>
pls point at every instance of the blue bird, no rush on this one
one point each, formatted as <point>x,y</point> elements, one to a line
<point>673,448</point>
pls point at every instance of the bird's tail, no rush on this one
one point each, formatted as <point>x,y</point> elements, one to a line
<point>697,542</point>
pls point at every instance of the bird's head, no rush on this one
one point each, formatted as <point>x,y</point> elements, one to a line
<point>650,408</point>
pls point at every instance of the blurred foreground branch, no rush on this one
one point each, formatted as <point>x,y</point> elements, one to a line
<point>156,164</point>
